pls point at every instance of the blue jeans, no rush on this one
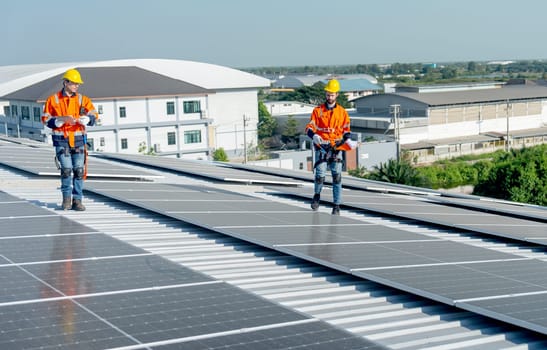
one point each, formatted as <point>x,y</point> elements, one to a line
<point>335,168</point>
<point>72,171</point>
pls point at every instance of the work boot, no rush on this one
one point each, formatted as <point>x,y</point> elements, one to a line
<point>336,209</point>
<point>315,202</point>
<point>77,205</point>
<point>67,203</point>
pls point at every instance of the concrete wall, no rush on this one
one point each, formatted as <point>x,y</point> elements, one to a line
<point>371,154</point>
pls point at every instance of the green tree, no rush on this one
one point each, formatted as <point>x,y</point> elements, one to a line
<point>220,155</point>
<point>449,73</point>
<point>144,150</point>
<point>399,172</point>
<point>309,94</point>
<point>290,131</point>
<point>471,66</point>
<point>266,123</point>
<point>519,175</point>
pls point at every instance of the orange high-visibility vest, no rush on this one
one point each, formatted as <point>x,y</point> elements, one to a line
<point>330,124</point>
<point>61,105</point>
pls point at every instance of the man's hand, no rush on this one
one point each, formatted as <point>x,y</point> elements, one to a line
<point>318,140</point>
<point>59,122</point>
<point>84,120</point>
<point>352,144</point>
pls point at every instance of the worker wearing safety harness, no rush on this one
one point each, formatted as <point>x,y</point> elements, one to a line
<point>68,113</point>
<point>329,128</point>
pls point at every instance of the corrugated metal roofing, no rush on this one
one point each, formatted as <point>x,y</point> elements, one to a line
<point>395,319</point>
<point>357,85</point>
<point>513,92</point>
<point>112,82</point>
<point>347,83</point>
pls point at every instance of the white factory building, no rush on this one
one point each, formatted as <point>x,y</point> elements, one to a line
<point>177,108</point>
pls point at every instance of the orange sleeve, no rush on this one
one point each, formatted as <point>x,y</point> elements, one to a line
<point>346,125</point>
<point>89,107</point>
<point>49,111</point>
<point>312,124</point>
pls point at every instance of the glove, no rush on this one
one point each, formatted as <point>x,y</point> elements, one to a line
<point>59,122</point>
<point>84,120</point>
<point>318,140</point>
<point>352,144</point>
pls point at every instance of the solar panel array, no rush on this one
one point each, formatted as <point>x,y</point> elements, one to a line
<point>41,161</point>
<point>508,287</point>
<point>205,169</point>
<point>523,211</point>
<point>66,286</point>
<point>243,173</point>
<point>526,230</point>
<point>451,198</point>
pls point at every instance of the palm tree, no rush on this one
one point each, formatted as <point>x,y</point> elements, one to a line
<point>399,172</point>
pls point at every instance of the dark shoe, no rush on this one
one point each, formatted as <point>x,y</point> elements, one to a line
<point>315,202</point>
<point>67,203</point>
<point>336,210</point>
<point>77,205</point>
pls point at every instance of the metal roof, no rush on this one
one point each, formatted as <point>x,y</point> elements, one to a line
<point>356,82</point>
<point>112,82</point>
<point>439,99</point>
<point>357,85</point>
<point>395,319</point>
<point>204,75</point>
<point>450,141</point>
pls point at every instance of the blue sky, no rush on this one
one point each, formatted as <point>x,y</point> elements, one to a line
<point>255,33</point>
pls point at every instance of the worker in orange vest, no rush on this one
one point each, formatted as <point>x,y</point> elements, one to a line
<point>68,113</point>
<point>329,128</point>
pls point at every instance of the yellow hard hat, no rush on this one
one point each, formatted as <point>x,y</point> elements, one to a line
<point>332,86</point>
<point>74,76</point>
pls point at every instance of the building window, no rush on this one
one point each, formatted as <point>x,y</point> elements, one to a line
<point>101,141</point>
<point>170,108</point>
<point>25,113</point>
<point>91,144</point>
<point>124,143</point>
<point>14,111</point>
<point>100,109</point>
<point>6,111</point>
<point>192,107</point>
<point>171,138</point>
<point>192,136</point>
<point>122,112</point>
<point>36,113</point>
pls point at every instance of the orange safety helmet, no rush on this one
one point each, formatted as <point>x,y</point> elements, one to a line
<point>74,76</point>
<point>332,86</point>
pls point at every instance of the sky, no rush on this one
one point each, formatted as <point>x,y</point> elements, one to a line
<point>256,33</point>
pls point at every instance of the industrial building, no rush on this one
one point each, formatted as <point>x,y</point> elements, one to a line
<point>435,122</point>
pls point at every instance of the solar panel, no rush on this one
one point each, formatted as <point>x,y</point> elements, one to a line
<point>298,336</point>
<point>349,181</point>
<point>515,309</point>
<point>40,161</point>
<point>62,247</point>
<point>474,202</point>
<point>476,280</point>
<point>427,266</point>
<point>43,224</point>
<point>514,209</point>
<point>202,168</point>
<point>81,289</point>
<point>530,231</point>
